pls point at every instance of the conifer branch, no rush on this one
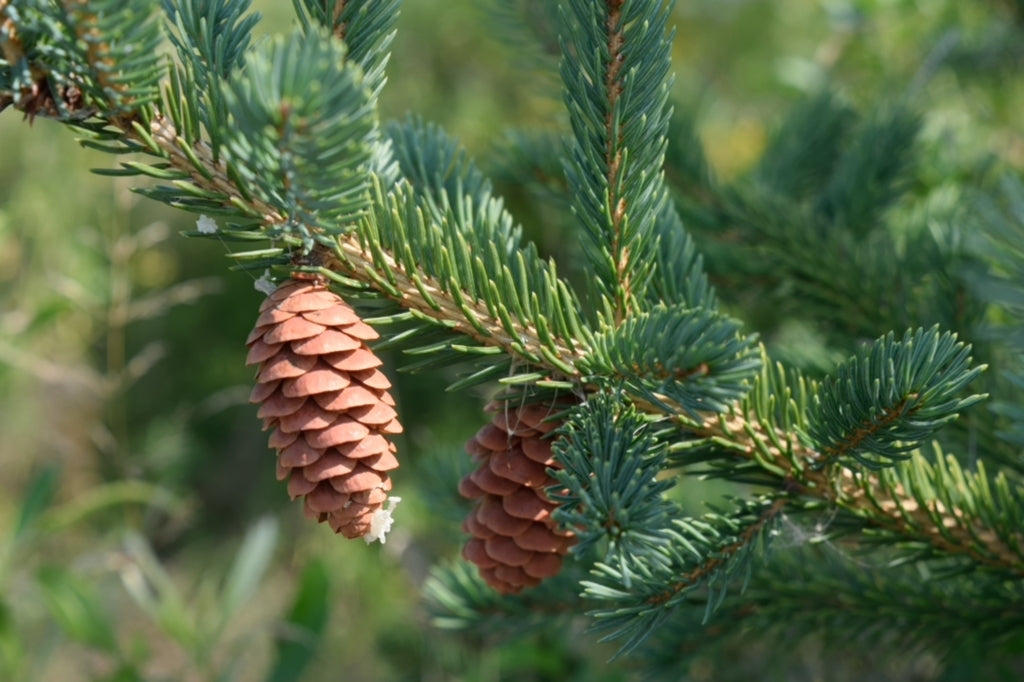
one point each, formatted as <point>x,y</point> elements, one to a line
<point>366,27</point>
<point>613,159</point>
<point>916,611</point>
<point>638,592</point>
<point>615,68</point>
<point>881,499</point>
<point>353,258</point>
<point>30,86</point>
<point>196,161</point>
<point>715,562</point>
<point>425,295</point>
<point>121,76</point>
<point>692,359</point>
<point>883,503</point>
<point>96,51</point>
<point>374,215</point>
<point>680,276</point>
<point>878,406</point>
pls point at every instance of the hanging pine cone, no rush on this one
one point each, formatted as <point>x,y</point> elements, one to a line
<point>320,390</point>
<point>515,543</point>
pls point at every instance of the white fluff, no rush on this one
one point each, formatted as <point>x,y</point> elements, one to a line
<point>206,225</point>
<point>264,284</point>
<point>381,522</point>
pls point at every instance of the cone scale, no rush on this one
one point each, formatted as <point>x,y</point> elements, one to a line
<point>326,404</point>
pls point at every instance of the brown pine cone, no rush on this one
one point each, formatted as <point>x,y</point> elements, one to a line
<point>320,390</point>
<point>515,541</point>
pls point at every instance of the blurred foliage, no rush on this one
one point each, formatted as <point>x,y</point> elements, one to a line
<point>142,533</point>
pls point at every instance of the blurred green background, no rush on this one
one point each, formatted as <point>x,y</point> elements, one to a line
<point>142,533</point>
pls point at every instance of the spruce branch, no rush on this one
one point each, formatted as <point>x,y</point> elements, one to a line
<point>615,67</point>
<point>885,403</point>
<point>204,182</point>
<point>302,135</point>
<point>358,256</point>
<point>902,606</point>
<point>74,61</point>
<point>756,528</point>
<point>696,359</point>
<point>21,80</point>
<point>610,465</point>
<point>456,266</point>
<point>366,27</point>
<point>708,552</point>
<point>501,294</point>
<point>325,13</point>
<point>198,170</point>
<point>913,501</point>
<point>614,500</point>
<point>210,37</point>
<point>932,502</point>
<point>286,141</point>
<point>432,300</point>
<point>680,276</point>
<point>120,52</point>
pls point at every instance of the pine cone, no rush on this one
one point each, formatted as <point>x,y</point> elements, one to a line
<point>515,541</point>
<point>320,391</point>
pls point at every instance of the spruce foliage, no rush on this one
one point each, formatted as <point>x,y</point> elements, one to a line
<point>281,140</point>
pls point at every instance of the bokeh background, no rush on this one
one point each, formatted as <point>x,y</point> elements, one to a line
<point>142,532</point>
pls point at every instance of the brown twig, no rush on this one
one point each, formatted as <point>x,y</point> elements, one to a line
<point>613,158</point>
<point>715,561</point>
